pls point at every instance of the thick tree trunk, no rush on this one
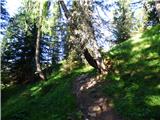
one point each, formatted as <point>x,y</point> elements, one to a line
<point>157,2</point>
<point>37,50</point>
<point>96,63</point>
<point>95,60</point>
<point>91,60</point>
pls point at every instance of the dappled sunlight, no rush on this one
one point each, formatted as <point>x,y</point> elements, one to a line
<point>152,31</point>
<point>35,90</point>
<point>158,86</point>
<point>140,47</point>
<point>81,60</point>
<point>153,100</point>
<point>89,82</point>
<point>91,99</point>
<point>85,69</point>
<point>135,87</point>
<point>136,38</point>
<point>48,96</point>
<point>101,108</point>
<point>154,63</point>
<point>148,77</point>
<point>152,55</point>
<point>88,85</point>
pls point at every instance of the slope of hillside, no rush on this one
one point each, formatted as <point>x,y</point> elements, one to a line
<point>46,100</point>
<point>134,81</point>
<point>133,85</point>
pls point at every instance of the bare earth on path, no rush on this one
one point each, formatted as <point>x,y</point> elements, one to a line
<point>93,104</point>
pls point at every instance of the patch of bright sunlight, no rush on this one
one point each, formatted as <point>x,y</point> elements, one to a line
<point>136,38</point>
<point>135,59</point>
<point>153,54</point>
<point>153,100</point>
<point>117,78</point>
<point>85,69</point>
<point>140,47</point>
<point>158,86</point>
<point>35,90</point>
<point>153,62</point>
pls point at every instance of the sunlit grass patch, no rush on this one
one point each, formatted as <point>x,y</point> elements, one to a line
<point>153,100</point>
<point>135,88</point>
<point>85,69</point>
<point>52,99</point>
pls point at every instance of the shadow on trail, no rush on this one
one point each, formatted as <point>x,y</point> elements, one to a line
<point>91,100</point>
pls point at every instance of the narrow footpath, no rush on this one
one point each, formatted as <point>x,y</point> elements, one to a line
<point>93,104</point>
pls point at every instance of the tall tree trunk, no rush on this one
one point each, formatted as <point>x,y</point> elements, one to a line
<point>37,50</point>
<point>157,2</point>
<point>94,59</point>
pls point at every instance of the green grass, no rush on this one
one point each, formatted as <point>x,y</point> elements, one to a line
<point>134,82</point>
<point>48,100</point>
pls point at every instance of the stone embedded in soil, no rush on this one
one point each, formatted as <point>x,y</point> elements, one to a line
<point>101,100</point>
<point>95,108</point>
<point>104,107</point>
<point>92,114</point>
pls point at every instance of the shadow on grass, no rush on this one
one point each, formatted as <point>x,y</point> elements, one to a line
<point>134,83</point>
<point>49,100</point>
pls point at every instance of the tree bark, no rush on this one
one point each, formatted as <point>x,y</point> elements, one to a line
<point>37,48</point>
<point>157,2</point>
<point>95,60</point>
<point>91,60</point>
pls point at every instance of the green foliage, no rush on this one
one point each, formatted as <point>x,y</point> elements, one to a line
<point>122,21</point>
<point>134,81</point>
<point>18,49</point>
<point>4,16</point>
<point>151,13</point>
<point>48,100</point>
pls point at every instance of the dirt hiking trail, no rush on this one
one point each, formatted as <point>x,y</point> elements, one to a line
<point>90,99</point>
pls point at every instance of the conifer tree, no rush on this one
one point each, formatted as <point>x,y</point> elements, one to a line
<point>122,20</point>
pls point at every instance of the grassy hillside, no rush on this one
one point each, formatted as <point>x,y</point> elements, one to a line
<point>48,100</point>
<point>134,82</point>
